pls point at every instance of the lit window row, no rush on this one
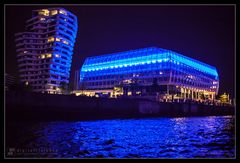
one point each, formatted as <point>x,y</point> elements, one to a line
<point>46,12</point>
<point>51,39</point>
<point>63,41</point>
<point>48,55</point>
<point>54,12</point>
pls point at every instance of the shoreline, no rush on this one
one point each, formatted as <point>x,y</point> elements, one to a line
<point>47,107</point>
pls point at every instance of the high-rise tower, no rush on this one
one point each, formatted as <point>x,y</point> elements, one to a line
<point>44,51</point>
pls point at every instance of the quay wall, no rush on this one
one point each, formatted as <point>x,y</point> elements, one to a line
<point>36,106</point>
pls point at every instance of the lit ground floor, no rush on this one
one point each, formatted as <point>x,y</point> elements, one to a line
<point>160,93</point>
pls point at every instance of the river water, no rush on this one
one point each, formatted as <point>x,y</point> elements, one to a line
<point>190,137</point>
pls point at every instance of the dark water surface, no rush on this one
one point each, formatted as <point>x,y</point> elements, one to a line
<point>191,137</point>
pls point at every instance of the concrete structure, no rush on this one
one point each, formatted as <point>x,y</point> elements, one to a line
<point>150,71</point>
<point>44,51</point>
<point>36,106</point>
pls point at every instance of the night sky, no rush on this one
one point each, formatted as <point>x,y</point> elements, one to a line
<point>205,33</point>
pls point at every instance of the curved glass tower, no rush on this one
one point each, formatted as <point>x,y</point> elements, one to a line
<point>174,73</point>
<point>45,49</point>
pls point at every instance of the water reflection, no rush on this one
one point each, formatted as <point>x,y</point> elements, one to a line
<point>204,137</point>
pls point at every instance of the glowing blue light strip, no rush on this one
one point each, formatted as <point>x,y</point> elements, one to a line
<point>195,64</point>
<point>160,55</point>
<point>123,63</point>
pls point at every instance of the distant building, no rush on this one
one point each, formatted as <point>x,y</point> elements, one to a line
<point>76,80</point>
<point>10,81</point>
<point>148,71</point>
<point>44,51</point>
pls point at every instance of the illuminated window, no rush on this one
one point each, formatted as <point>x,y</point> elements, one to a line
<point>65,20</point>
<point>50,39</point>
<point>48,55</point>
<point>57,39</point>
<point>42,19</point>
<point>138,92</point>
<point>42,56</point>
<point>57,55</point>
<point>63,12</point>
<point>44,12</point>
<point>54,12</point>
<point>65,42</point>
<point>26,83</point>
<point>25,52</point>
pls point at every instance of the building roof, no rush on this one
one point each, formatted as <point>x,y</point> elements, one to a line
<point>143,56</point>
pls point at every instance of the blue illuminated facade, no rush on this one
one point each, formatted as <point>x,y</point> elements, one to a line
<point>45,49</point>
<point>189,77</point>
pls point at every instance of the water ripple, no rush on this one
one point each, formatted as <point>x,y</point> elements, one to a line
<point>193,137</point>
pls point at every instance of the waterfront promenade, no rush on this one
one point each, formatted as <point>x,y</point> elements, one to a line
<point>47,107</point>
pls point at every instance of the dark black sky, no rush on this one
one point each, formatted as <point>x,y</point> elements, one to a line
<point>205,33</point>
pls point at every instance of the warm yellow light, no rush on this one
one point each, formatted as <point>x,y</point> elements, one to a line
<point>44,12</point>
<point>57,39</point>
<point>50,39</point>
<point>48,55</point>
<point>54,12</point>
<point>42,56</point>
<point>129,93</point>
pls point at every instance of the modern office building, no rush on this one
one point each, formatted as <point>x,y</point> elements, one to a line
<point>44,50</point>
<point>148,71</point>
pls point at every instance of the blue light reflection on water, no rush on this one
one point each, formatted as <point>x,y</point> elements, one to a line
<point>193,137</point>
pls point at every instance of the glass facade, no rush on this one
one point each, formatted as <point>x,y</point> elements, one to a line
<point>145,65</point>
